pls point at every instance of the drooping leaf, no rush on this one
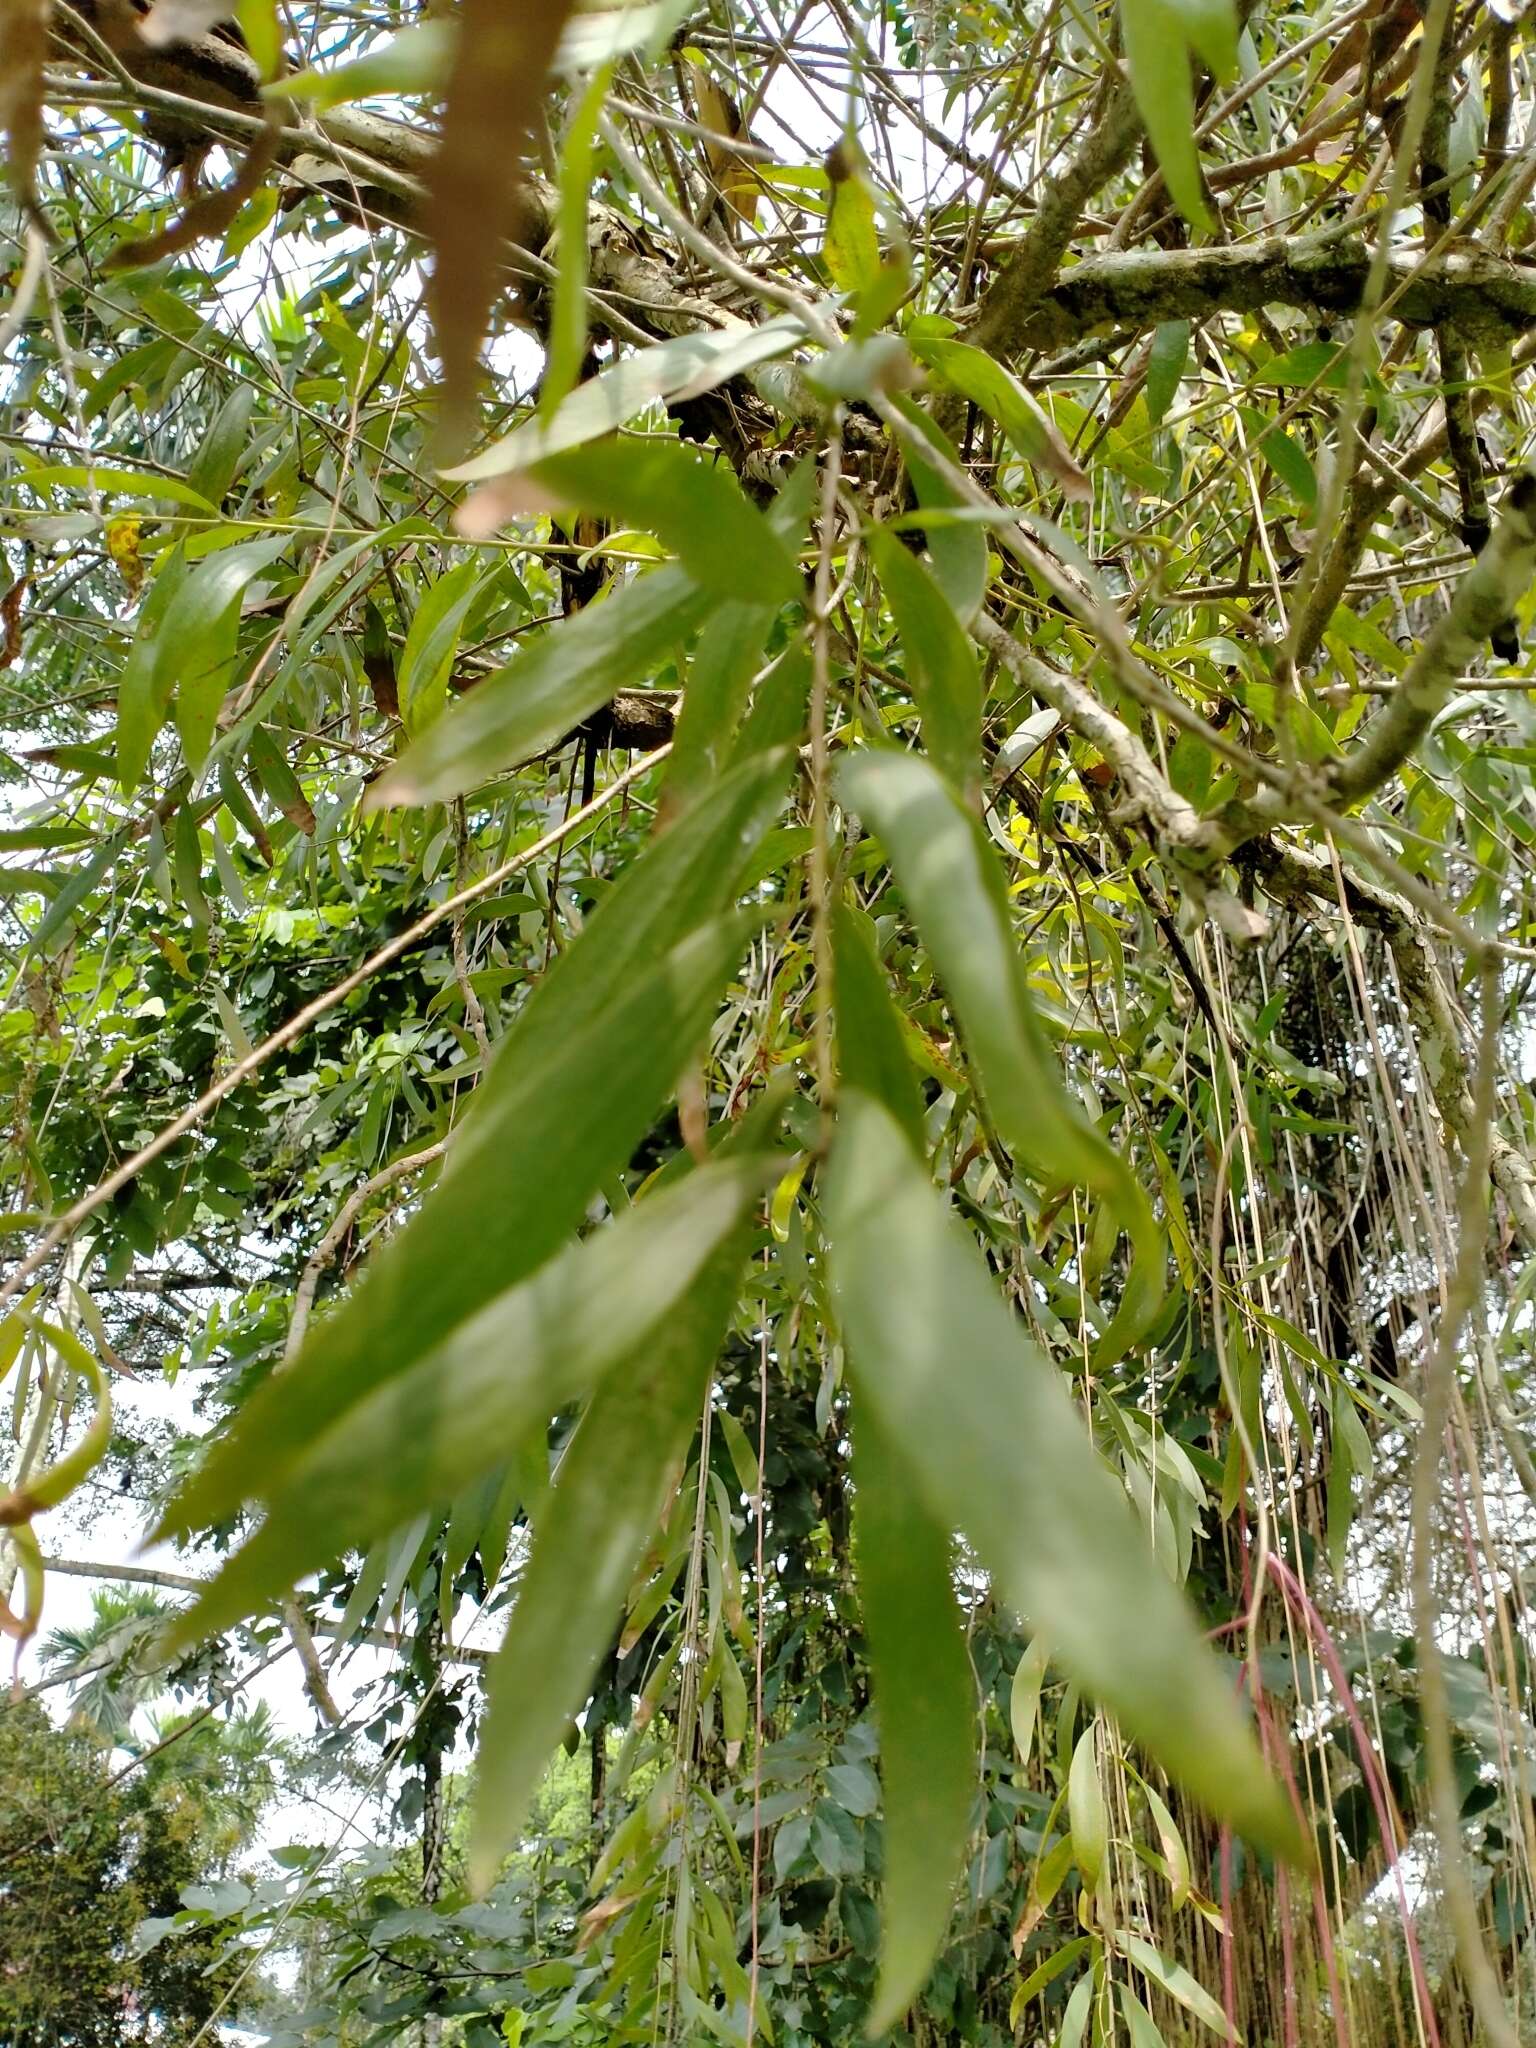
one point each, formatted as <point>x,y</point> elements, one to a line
<point>941,663</point>
<point>1086,1812</point>
<point>694,504</point>
<point>568,315</point>
<point>948,875</point>
<point>277,778</point>
<point>924,1698</point>
<point>431,642</point>
<point>577,1079</point>
<point>1165,367</point>
<point>994,390</point>
<point>1024,1698</point>
<point>1174,1979</point>
<point>958,549</point>
<point>870,1053</point>
<point>145,682</point>
<point>987,1432</point>
<point>546,692</point>
<point>608,1498</point>
<point>195,640</point>
<point>1158,60</point>
<point>467,1403</point>
<point>720,675</point>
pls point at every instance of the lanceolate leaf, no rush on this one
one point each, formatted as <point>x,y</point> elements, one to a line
<point>143,685</point>
<point>870,1053</point>
<point>431,641</point>
<point>691,364</point>
<point>1159,37</point>
<point>941,663</point>
<point>575,1085</point>
<point>468,1403</point>
<point>194,641</point>
<point>949,878</point>
<point>986,1430</point>
<point>994,389</point>
<point>696,507</point>
<point>573,669</point>
<point>925,1705</point>
<point>729,652</point>
<point>608,1499</point>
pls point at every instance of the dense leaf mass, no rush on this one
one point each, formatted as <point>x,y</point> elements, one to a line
<point>766,822</point>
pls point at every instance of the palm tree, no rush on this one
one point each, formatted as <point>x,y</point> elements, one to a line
<point>108,1663</point>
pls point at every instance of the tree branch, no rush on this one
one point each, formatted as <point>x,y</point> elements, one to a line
<point>1475,296</point>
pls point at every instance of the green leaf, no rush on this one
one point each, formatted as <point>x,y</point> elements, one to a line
<point>685,367</point>
<point>1285,456</point>
<point>277,778</point>
<point>31,838</point>
<point>924,1701</point>
<point>694,504</point>
<point>144,684</point>
<point>1086,1812</point>
<point>468,1403</point>
<point>1324,363</point>
<point>431,642</point>
<point>1024,1699</point>
<point>958,551</point>
<point>1173,1979</point>
<point>941,663</point>
<point>948,875</point>
<point>568,313</point>
<point>1143,2029</point>
<point>195,642</point>
<point>870,1052</point>
<point>994,389</point>
<point>730,650</point>
<point>1211,29</point>
<point>81,881</point>
<point>1165,367</point>
<point>546,692</point>
<point>135,483</point>
<point>218,458</point>
<point>609,1496</point>
<point>415,61</point>
<point>1074,2021</point>
<point>1157,55</point>
<point>1175,1855</point>
<point>573,1089</point>
<point>988,1434</point>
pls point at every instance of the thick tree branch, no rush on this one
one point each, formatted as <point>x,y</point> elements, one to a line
<point>1484,599</point>
<point>1475,296</point>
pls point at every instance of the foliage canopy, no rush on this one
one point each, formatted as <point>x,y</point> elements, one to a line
<point>767,881</point>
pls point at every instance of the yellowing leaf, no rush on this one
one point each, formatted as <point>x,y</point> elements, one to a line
<point>851,249</point>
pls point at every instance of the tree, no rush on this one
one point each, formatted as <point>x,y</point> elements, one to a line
<point>771,805</point>
<point>84,1864</point>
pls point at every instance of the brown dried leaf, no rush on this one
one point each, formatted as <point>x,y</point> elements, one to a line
<point>213,213</point>
<point>475,185</point>
<point>738,185</point>
<point>23,48</point>
<point>10,622</point>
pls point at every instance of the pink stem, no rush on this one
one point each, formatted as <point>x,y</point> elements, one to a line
<point>1386,1819</point>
